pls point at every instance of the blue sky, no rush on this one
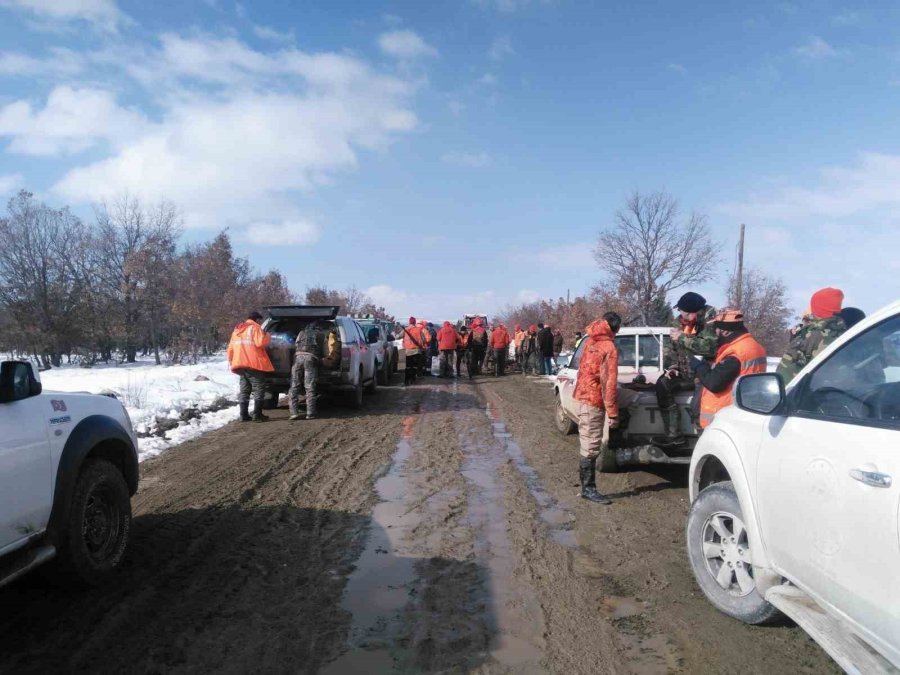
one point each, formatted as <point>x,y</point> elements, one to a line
<point>454,156</point>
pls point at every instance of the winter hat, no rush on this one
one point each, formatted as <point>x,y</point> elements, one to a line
<point>532,328</point>
<point>729,319</point>
<point>852,316</point>
<point>826,302</point>
<point>691,302</point>
<point>254,316</point>
<point>412,321</point>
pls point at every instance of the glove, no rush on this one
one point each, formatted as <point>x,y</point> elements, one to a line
<point>613,422</point>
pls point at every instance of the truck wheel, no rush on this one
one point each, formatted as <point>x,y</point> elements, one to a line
<point>356,396</point>
<point>607,462</point>
<point>383,373</point>
<point>720,556</point>
<point>395,361</point>
<point>372,387</point>
<point>563,423</point>
<point>94,540</point>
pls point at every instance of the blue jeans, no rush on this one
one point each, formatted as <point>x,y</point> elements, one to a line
<point>547,365</point>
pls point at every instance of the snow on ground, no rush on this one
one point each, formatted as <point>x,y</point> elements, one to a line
<point>149,391</point>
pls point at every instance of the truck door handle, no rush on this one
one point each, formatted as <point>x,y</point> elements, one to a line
<point>873,478</point>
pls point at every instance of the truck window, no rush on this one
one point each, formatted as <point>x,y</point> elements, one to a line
<point>648,351</point>
<point>625,347</point>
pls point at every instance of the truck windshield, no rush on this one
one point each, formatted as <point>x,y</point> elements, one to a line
<point>648,351</point>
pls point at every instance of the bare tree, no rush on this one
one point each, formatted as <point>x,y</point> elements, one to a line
<point>649,251</point>
<point>766,313</point>
<point>351,300</point>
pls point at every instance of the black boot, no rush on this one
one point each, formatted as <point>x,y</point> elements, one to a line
<point>258,413</point>
<point>587,474</point>
<point>245,414</point>
<point>671,418</point>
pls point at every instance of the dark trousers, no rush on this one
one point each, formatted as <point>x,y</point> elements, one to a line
<point>547,365</point>
<point>666,389</point>
<point>447,362</point>
<point>412,368</point>
<point>253,383</point>
<point>477,358</point>
<point>463,355</point>
<point>499,361</point>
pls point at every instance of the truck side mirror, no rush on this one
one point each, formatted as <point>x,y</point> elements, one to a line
<point>760,393</point>
<point>17,381</point>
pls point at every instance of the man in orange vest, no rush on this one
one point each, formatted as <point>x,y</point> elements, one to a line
<point>479,342</point>
<point>462,352</point>
<point>448,341</point>
<point>248,359</point>
<point>738,354</point>
<point>414,347</point>
<point>500,343</point>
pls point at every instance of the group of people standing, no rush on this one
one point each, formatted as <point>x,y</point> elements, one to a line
<point>538,348</point>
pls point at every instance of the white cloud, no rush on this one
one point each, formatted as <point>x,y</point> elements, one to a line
<point>677,68</point>
<point>405,44</point>
<point>527,296</point>
<point>102,14</point>
<point>501,48</point>
<point>471,160</point>
<point>73,120</point>
<point>563,257</point>
<point>269,33</point>
<point>508,6</point>
<point>849,18</point>
<point>289,233</point>
<point>815,49</point>
<point>488,79</point>
<point>10,182</point>
<point>61,63</point>
<point>237,131</point>
<point>433,306</point>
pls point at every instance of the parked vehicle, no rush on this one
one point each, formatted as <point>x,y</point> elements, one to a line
<point>794,502</point>
<point>68,469</point>
<point>348,365</point>
<point>641,362</point>
<point>387,355</point>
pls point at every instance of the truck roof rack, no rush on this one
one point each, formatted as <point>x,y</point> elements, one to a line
<point>303,311</point>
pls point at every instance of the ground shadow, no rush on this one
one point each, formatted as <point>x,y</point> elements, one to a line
<point>228,589</point>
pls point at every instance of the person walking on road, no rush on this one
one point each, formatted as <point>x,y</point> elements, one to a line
<point>310,346</point>
<point>500,344</point>
<point>545,347</point>
<point>596,390</point>
<point>414,348</point>
<point>463,353</point>
<point>822,324</point>
<point>693,336</point>
<point>557,346</point>
<point>448,341</point>
<point>738,354</point>
<point>530,352</point>
<point>479,341</point>
<point>248,359</point>
<point>518,336</point>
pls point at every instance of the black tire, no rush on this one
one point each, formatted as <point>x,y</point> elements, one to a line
<point>565,426</point>
<point>356,395</point>
<point>383,374</point>
<point>720,501</point>
<point>270,400</point>
<point>395,361</point>
<point>96,535</point>
<point>372,387</point>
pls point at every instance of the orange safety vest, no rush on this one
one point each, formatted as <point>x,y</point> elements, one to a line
<point>247,348</point>
<point>752,356</point>
<point>411,335</point>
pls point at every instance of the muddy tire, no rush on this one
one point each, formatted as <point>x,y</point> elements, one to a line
<point>95,537</point>
<point>395,361</point>
<point>355,398</point>
<point>720,554</point>
<point>383,374</point>
<point>565,426</point>
<point>372,387</point>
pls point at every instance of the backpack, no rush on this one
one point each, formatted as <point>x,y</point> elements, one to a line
<point>479,337</point>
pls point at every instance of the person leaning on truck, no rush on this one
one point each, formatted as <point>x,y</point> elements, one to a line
<point>310,345</point>
<point>738,354</point>
<point>596,390</point>
<point>694,335</point>
<point>248,359</point>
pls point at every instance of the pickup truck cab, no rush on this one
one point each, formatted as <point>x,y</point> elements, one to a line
<point>795,498</point>
<point>350,370</point>
<point>68,469</point>
<point>379,335</point>
<point>641,353</point>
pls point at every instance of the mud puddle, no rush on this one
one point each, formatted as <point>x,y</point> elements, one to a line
<point>378,589</point>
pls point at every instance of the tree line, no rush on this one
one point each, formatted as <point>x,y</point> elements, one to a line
<point>648,256</point>
<point>122,285</point>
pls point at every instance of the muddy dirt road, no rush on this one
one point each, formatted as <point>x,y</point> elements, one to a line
<point>436,530</point>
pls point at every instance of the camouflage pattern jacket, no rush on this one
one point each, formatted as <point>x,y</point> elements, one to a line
<point>701,343</point>
<point>807,343</point>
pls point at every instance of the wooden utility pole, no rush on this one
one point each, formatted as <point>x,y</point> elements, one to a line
<point>567,297</point>
<point>740,270</point>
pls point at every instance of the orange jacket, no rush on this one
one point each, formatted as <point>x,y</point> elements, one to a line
<point>447,337</point>
<point>426,334</point>
<point>247,348</point>
<point>598,372</point>
<point>413,334</point>
<point>499,338</point>
<point>464,339</point>
<point>517,339</point>
<point>752,356</point>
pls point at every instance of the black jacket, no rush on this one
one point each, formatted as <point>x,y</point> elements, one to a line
<point>720,377</point>
<point>545,342</point>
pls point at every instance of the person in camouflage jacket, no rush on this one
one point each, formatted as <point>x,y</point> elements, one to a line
<point>693,334</point>
<point>822,324</point>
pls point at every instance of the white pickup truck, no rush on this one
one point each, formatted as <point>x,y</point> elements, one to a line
<point>796,499</point>
<point>641,353</point>
<point>68,469</point>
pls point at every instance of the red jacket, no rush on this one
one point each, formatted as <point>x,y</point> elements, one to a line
<point>413,337</point>
<point>247,348</point>
<point>499,338</point>
<point>598,372</point>
<point>447,337</point>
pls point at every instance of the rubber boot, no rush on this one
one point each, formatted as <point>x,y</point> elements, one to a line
<point>587,473</point>
<point>671,418</point>
<point>245,414</point>
<point>258,413</point>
